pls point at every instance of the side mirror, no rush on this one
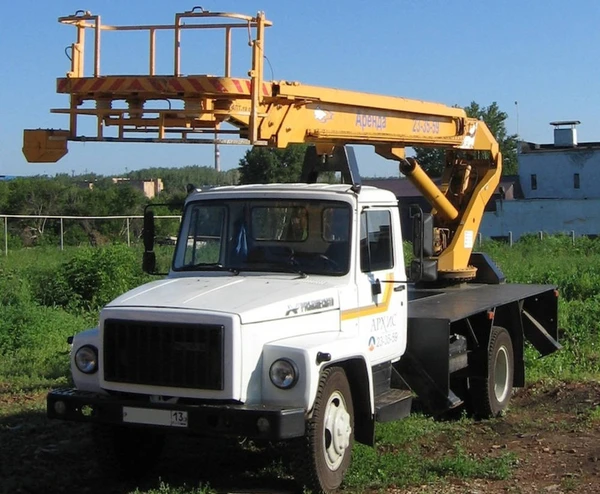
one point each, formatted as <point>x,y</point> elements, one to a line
<point>149,262</point>
<point>152,264</point>
<point>422,234</point>
<point>149,257</point>
<point>424,270</point>
<point>149,231</point>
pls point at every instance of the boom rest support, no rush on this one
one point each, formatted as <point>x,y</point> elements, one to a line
<point>342,159</point>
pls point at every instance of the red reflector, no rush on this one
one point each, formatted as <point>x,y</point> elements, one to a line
<point>556,293</point>
<point>490,314</point>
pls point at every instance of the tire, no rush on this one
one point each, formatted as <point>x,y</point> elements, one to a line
<point>327,446</point>
<point>126,452</point>
<point>490,395</point>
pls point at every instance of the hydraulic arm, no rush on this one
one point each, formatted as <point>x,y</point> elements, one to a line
<point>180,108</point>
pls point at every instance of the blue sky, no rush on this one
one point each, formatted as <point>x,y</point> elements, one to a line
<point>543,54</point>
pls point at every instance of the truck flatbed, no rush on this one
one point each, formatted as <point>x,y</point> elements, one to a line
<point>458,302</point>
<point>437,316</point>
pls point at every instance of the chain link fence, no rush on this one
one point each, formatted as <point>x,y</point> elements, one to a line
<point>31,230</point>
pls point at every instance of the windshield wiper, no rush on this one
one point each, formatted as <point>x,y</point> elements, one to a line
<point>207,266</point>
<point>292,266</point>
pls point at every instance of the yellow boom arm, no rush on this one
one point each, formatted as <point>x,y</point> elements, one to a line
<point>178,108</point>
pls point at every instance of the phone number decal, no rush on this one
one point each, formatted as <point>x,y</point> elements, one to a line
<point>382,340</point>
<point>426,127</point>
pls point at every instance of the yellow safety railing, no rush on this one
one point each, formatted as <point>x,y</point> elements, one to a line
<point>83,20</point>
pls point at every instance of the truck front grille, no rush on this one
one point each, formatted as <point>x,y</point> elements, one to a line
<point>163,354</point>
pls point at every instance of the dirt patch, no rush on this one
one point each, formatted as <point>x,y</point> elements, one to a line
<point>553,433</point>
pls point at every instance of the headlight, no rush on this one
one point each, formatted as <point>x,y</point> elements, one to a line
<point>86,359</point>
<point>283,373</point>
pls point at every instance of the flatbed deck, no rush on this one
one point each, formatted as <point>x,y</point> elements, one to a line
<point>458,302</point>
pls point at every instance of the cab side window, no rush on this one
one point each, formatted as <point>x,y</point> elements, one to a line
<point>376,251</point>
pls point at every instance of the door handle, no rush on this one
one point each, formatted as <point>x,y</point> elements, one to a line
<point>400,288</point>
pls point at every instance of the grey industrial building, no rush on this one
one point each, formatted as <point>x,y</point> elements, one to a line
<point>554,192</point>
<point>557,181</point>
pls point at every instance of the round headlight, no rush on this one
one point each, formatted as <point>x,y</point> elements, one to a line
<point>86,359</point>
<point>283,373</point>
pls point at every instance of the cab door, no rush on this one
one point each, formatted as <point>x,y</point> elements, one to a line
<point>381,283</point>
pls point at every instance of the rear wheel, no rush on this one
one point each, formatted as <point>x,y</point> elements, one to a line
<point>329,438</point>
<point>490,394</point>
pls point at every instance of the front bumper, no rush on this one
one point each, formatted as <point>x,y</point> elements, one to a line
<point>253,421</point>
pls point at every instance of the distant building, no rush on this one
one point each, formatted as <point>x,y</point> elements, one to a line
<point>85,185</point>
<point>555,191</point>
<point>150,188</point>
<point>559,189</point>
<point>408,195</point>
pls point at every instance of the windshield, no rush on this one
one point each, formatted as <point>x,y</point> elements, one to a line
<point>304,236</point>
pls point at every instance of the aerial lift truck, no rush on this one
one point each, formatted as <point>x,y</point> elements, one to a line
<point>288,313</point>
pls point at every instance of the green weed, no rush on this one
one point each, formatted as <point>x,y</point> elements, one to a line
<point>33,340</point>
<point>164,488</point>
<point>595,414</point>
<point>420,450</point>
<point>47,295</point>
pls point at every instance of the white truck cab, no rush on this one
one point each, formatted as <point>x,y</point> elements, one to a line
<point>277,272</point>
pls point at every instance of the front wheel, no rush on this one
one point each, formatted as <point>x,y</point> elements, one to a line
<point>330,434</point>
<point>491,394</point>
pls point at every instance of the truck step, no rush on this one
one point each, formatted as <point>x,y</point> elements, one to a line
<point>393,404</point>
<point>453,400</point>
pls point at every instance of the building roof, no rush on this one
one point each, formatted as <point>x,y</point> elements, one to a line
<point>533,147</point>
<point>565,122</point>
<point>402,187</point>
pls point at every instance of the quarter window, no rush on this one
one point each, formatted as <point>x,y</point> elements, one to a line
<point>376,251</point>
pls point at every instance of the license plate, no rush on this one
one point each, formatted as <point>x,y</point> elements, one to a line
<point>168,418</point>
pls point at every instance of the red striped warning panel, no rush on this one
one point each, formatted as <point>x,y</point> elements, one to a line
<point>163,86</point>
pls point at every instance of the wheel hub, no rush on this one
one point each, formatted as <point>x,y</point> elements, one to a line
<point>501,375</point>
<point>337,431</point>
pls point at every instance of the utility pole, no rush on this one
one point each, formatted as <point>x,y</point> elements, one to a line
<point>217,152</point>
<point>217,156</point>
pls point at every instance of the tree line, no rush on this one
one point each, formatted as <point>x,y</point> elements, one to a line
<point>65,195</point>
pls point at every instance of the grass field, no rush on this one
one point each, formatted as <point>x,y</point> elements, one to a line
<point>47,295</point>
